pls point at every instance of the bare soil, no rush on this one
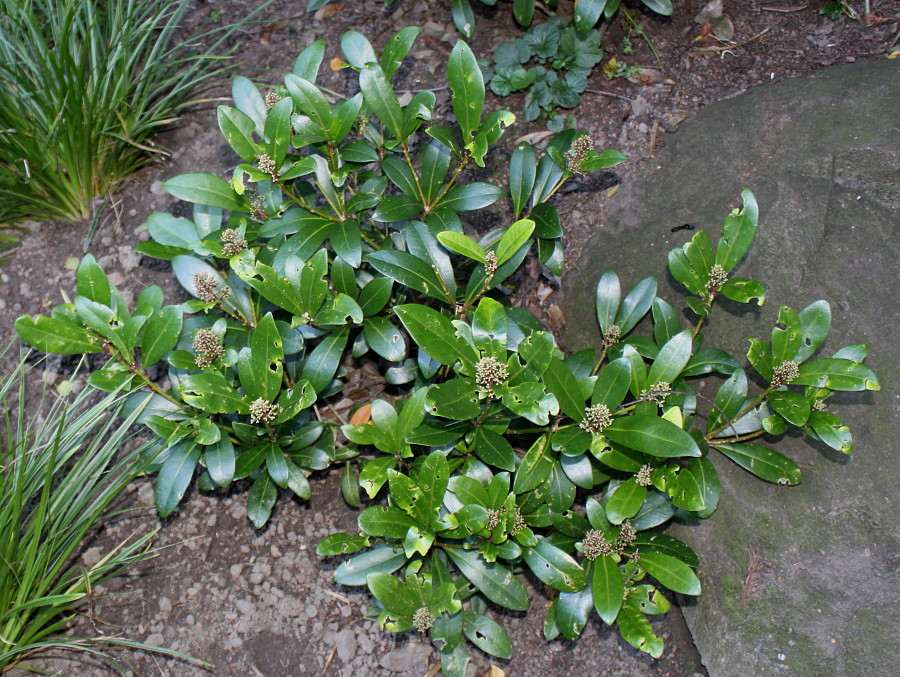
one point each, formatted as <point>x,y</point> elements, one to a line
<point>261,602</point>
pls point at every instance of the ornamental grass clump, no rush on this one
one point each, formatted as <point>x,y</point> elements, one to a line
<point>341,236</point>
<point>59,477</point>
<point>84,86</point>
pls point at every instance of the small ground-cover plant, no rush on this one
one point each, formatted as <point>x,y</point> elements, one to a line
<point>480,465</point>
<point>84,85</point>
<point>58,478</point>
<point>275,313</point>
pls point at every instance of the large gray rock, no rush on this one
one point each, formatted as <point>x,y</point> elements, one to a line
<point>798,581</point>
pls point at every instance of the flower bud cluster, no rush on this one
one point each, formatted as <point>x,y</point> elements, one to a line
<point>271,99</point>
<point>576,155</point>
<point>208,346</point>
<point>595,545</point>
<point>596,419</point>
<point>784,373</point>
<point>232,242</point>
<point>490,372</point>
<point>491,262</point>
<point>658,392</point>
<point>611,336</point>
<point>717,277</point>
<point>262,411</point>
<point>267,165</point>
<point>423,619</point>
<point>207,286</point>
<point>626,536</point>
<point>643,475</point>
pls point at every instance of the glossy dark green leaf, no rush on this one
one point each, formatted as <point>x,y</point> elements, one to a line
<point>587,14</point>
<point>435,333</point>
<point>380,97</point>
<point>385,521</point>
<point>56,335</point>
<point>561,382</point>
<point>408,270</point>
<point>322,363</point>
<point>729,400</point>
<point>666,323</point>
<point>572,610</point>
<point>174,476</point>
<point>671,572</point>
<point>738,232</point>
<point>208,190</point>
<point>763,462</point>
<point>249,101</point>
<point>220,461</point>
<point>707,360</point>
<point>743,290</point>
<point>307,64</point>
<point>829,429</point>
<point>522,169</point>
<point>657,509</point>
<point>636,304</point>
<point>625,501</point>
<point>384,338</point>
<point>212,393</point>
<point>341,544</point>
<point>609,297</point>
<point>652,435</point>
<point>375,295</point>
<point>546,221</point>
<point>554,567</point>
<point>350,486</point>
<point>612,383</point>
<point>456,400</point>
<point>380,559</point>
<point>607,588</point>
<point>536,466</point>
<point>462,244</point>
<point>637,631</point>
<point>650,541</point>
<point>238,128</point>
<point>467,89</point>
<point>514,238</point>
<point>786,335</point>
<point>487,635</point>
<point>278,129</point>
<point>495,581</point>
<point>396,49</point>
<point>760,357</point>
<point>815,324</point>
<point>260,365</point>
<point>357,50</point>
<point>471,196</point>
<point>790,404</point>
<point>837,374</point>
<point>673,357</point>
<point>494,450</point>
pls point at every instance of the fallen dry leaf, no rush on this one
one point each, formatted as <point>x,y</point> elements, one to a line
<point>328,11</point>
<point>265,35</point>
<point>362,415</point>
<point>497,672</point>
<point>336,64</point>
<point>710,13</point>
<point>875,20</point>
<point>612,190</point>
<point>723,29</point>
<point>649,76</point>
<point>534,137</point>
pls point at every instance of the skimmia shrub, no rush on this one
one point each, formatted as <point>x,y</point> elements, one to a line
<point>58,477</point>
<point>499,454</point>
<point>84,85</point>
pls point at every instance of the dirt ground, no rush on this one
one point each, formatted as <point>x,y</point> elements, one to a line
<point>261,602</point>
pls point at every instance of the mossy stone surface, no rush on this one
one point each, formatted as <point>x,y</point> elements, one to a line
<point>798,581</point>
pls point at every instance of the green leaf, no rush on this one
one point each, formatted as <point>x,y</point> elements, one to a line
<point>375,295</point>
<point>435,164</point>
<point>652,435</point>
<point>673,357</point>
<point>261,499</point>
<point>487,635</point>
<point>467,89</point>
<point>357,50</point>
<point>385,521</point>
<point>829,429</point>
<point>490,327</point>
<point>666,323</point>
<point>456,400</point>
<point>815,324</point>
<point>495,581</point>
<point>636,304</point>
<point>609,297</point>
<point>612,383</point>
<point>514,237</point>
<point>56,335</point>
<point>341,544</point>
<point>522,169</point>
<point>837,374</point>
<point>260,365</point>
<point>671,572</point>
<point>219,459</point>
<point>729,400</point>
<point>625,501</point>
<point>637,631</point>
<point>208,190</point>
<point>238,128</point>
<point>738,232</point>
<point>554,567</point>
<point>786,336</point>
<point>536,466</point>
<point>380,559</point>
<point>92,282</point>
<point>322,363</point>
<point>790,404</point>
<point>587,14</point>
<point>396,49</point>
<point>471,196</point>
<point>494,449</point>
<point>249,101</point>
<point>174,477</point>
<point>607,588</point>
<point>572,612</point>
<point>561,382</point>
<point>408,270</point>
<point>213,394</point>
<point>384,338</point>
<point>763,462</point>
<point>307,64</point>
<point>346,240</point>
<point>278,130</point>
<point>663,7</point>
<point>380,97</point>
<point>462,244</point>
<point>463,18</point>
<point>742,290</point>
<point>435,333</point>
<point>760,357</point>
